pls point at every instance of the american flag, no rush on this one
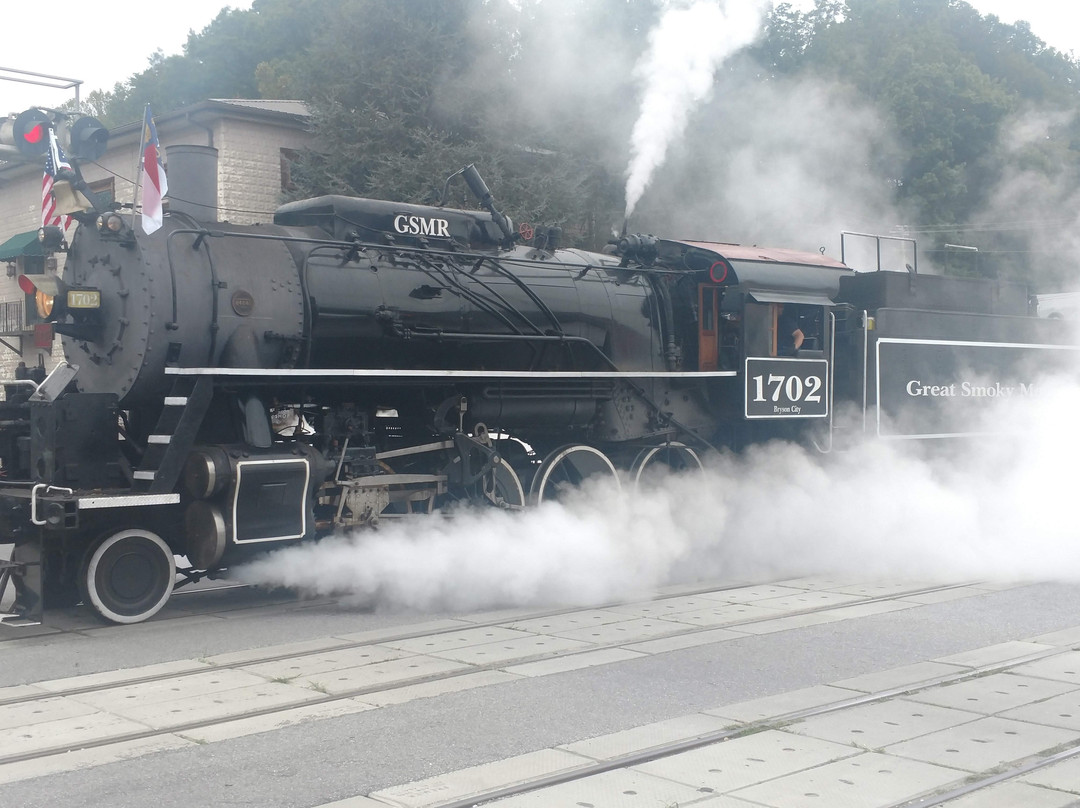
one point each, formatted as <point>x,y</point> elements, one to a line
<point>54,162</point>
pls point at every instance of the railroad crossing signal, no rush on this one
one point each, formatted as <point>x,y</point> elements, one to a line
<point>27,133</point>
<point>25,137</point>
<point>85,139</point>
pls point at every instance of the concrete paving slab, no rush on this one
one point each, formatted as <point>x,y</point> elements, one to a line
<point>89,758</point>
<point>723,614</point>
<point>856,610</point>
<point>1059,711</point>
<point>617,789</point>
<point>389,633</point>
<point>217,706</point>
<point>586,659</point>
<point>65,732</point>
<point>500,653</point>
<point>1065,637</point>
<point>869,780</point>
<point>665,608</point>
<point>452,640</point>
<point>13,716</point>
<point>983,744</point>
<point>1014,795</point>
<point>572,621</point>
<point>806,600</point>
<point>995,654</point>
<point>730,765</point>
<point>649,736</point>
<point>20,692</point>
<point>995,693</point>
<point>872,726</point>
<point>383,674</point>
<point>665,644</point>
<point>258,654</point>
<point>312,664</point>
<point>122,675</point>
<point>511,615</point>
<point>425,690</point>
<point>268,723</point>
<point>199,685</point>
<point>904,676</point>
<point>1064,776</point>
<point>661,607</point>
<point>880,589</point>
<point>479,779</point>
<point>782,703</point>
<point>1062,667</point>
<point>750,594</point>
<point>636,630</point>
<point>821,582</point>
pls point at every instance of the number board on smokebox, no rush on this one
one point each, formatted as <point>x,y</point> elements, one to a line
<point>787,388</point>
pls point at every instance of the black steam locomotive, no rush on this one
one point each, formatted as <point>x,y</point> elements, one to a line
<point>233,389</point>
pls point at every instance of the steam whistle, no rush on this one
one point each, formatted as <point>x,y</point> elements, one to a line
<point>480,191</point>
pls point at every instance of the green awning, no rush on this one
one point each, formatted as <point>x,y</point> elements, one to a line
<point>19,245</point>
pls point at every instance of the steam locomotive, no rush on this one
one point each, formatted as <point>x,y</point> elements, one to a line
<point>233,389</point>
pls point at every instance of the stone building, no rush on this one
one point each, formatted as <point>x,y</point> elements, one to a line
<point>251,143</point>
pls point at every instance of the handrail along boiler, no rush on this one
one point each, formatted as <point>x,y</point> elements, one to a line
<point>231,389</point>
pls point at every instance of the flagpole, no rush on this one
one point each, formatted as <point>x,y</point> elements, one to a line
<point>138,168</point>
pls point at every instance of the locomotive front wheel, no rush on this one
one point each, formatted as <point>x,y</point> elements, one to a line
<point>669,457</point>
<point>506,491</point>
<point>568,467</point>
<point>128,576</point>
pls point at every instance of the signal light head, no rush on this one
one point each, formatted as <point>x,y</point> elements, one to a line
<point>30,131</point>
<point>85,139</point>
<point>45,290</point>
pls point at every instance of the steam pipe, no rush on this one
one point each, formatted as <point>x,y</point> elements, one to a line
<point>480,191</point>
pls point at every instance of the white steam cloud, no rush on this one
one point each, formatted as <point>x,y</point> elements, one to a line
<point>998,509</point>
<point>677,71</point>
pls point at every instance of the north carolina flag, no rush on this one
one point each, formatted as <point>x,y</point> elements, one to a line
<point>155,185</point>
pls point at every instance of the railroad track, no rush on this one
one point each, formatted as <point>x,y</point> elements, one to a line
<point>965,782</point>
<point>291,683</point>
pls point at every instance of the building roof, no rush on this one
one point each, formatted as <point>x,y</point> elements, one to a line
<point>270,105</point>
<point>279,112</point>
<point>20,244</point>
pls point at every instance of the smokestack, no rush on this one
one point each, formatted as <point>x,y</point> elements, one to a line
<point>192,174</point>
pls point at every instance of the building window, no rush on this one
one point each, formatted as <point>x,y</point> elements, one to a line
<point>289,157</point>
<point>105,191</point>
<point>31,264</point>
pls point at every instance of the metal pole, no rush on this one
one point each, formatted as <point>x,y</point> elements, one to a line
<point>138,168</point>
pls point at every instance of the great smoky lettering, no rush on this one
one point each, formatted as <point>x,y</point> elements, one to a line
<point>916,388</point>
<point>939,387</point>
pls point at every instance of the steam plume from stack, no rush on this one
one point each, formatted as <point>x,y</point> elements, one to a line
<point>676,72</point>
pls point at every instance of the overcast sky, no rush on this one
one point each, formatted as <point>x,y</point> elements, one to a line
<point>102,44</point>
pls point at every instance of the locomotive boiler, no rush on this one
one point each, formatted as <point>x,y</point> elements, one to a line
<point>232,389</point>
